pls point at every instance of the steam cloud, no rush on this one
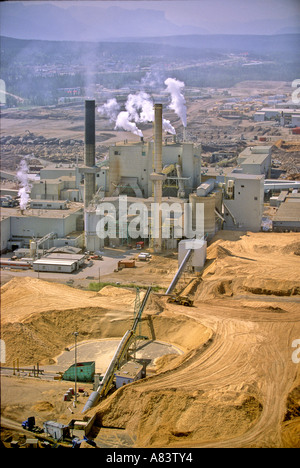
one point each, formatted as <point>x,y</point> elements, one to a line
<point>25,186</point>
<point>139,109</point>
<point>123,121</point>
<point>110,109</point>
<point>174,88</point>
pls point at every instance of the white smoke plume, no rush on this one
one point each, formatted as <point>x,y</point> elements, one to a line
<point>139,109</point>
<point>110,109</point>
<point>25,186</point>
<point>174,88</point>
<point>123,121</point>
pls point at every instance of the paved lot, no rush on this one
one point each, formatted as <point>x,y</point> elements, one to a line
<point>92,271</point>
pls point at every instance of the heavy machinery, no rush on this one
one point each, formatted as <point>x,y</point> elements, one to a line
<point>181,300</point>
<point>184,296</point>
<point>29,425</point>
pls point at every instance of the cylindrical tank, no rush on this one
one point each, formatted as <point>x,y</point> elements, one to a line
<point>210,203</point>
<point>32,249</point>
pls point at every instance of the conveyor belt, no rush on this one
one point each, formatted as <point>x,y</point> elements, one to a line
<point>117,359</point>
<point>179,271</point>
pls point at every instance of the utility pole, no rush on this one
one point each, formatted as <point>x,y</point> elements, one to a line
<point>75,402</point>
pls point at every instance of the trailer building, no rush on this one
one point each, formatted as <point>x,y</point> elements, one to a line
<point>55,265</point>
<point>130,372</point>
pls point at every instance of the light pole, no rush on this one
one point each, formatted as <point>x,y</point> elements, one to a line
<point>75,334</point>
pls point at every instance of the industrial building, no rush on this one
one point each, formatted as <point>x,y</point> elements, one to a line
<point>243,202</point>
<point>199,247</point>
<point>55,265</point>
<point>65,200</point>
<point>130,372</point>
<point>54,184</point>
<point>49,204</point>
<point>286,116</point>
<point>131,164</point>
<point>57,228</point>
<point>256,160</point>
<point>148,172</point>
<point>287,217</point>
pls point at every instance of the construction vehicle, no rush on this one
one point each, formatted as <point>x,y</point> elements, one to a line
<point>76,442</point>
<point>183,297</point>
<point>181,300</point>
<point>29,425</point>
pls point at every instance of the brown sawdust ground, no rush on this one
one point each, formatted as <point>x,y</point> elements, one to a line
<point>235,386</point>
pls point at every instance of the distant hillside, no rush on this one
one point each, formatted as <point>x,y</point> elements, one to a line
<point>75,52</point>
<point>261,44</point>
<point>35,70</point>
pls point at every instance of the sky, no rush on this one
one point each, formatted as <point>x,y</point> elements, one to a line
<point>192,16</point>
<point>211,14</point>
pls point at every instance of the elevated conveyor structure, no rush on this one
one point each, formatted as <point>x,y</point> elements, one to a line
<point>179,272</point>
<point>117,359</point>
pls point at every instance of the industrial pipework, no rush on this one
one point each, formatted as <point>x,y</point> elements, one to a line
<point>117,359</point>
<point>179,271</point>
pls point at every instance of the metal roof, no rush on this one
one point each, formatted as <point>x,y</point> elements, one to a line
<point>54,261</point>
<point>288,212</point>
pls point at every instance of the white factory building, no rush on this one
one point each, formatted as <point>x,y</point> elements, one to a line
<point>286,116</point>
<point>130,165</point>
<point>243,202</point>
<point>256,160</point>
<point>58,182</point>
<point>19,228</point>
<point>64,206</point>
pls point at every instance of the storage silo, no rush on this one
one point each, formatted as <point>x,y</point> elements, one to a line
<point>199,248</point>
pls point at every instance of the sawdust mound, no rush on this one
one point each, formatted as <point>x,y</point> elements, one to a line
<point>171,417</point>
<point>33,310</point>
<point>290,431</point>
<point>254,264</point>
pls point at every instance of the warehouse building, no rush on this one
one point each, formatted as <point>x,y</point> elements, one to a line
<point>287,217</point>
<point>55,265</point>
<point>286,116</point>
<point>256,160</point>
<point>19,229</point>
<point>243,202</point>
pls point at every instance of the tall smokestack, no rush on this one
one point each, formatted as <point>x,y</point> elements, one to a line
<point>158,170</point>
<point>89,152</point>
<point>158,137</point>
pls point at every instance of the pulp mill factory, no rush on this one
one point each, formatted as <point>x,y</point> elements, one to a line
<point>61,208</point>
<point>71,214</point>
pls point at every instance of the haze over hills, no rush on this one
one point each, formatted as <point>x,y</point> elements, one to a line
<point>49,22</point>
<point>80,22</point>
